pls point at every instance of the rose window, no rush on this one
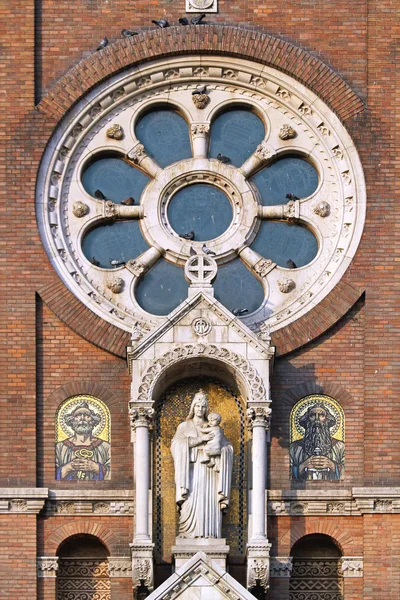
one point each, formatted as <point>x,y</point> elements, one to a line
<point>152,170</point>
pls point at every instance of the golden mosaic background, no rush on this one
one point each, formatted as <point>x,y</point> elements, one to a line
<point>173,410</point>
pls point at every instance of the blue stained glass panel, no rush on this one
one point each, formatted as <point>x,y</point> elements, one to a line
<point>289,175</point>
<point>162,289</point>
<point>120,240</point>
<point>201,208</point>
<point>115,179</point>
<point>281,242</point>
<point>236,287</point>
<point>165,135</point>
<point>236,134</point>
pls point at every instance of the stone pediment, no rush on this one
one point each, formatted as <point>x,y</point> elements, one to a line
<point>200,579</point>
<point>202,319</point>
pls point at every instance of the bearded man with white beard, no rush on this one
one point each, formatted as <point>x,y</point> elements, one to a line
<point>83,456</point>
<point>317,455</point>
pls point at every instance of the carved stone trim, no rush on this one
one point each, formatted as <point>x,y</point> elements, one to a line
<point>120,566</point>
<point>264,266</point>
<point>47,566</point>
<point>258,573</point>
<point>142,565</point>
<point>259,416</point>
<point>141,417</point>
<point>352,566</point>
<point>138,153</point>
<point>200,129</point>
<point>281,566</point>
<point>263,151</point>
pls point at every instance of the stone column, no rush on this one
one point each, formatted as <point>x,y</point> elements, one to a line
<point>258,547</point>
<point>200,133</point>
<point>289,211</point>
<point>142,546</point>
<point>138,156</point>
<point>262,156</point>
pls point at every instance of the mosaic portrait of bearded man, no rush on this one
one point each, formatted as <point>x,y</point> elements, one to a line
<point>83,456</point>
<point>318,455</point>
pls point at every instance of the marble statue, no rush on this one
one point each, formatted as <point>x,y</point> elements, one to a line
<point>203,460</point>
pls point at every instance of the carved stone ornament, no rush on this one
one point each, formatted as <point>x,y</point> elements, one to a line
<point>299,508</point>
<point>258,573</point>
<point>322,209</point>
<point>138,153</point>
<point>47,566</point>
<point>141,417</point>
<point>80,209</point>
<point>259,416</point>
<point>110,209</point>
<point>289,209</point>
<point>115,132</point>
<point>136,267</point>
<point>287,132</point>
<point>116,285</point>
<point>137,332</point>
<point>383,505</point>
<point>200,129</point>
<point>201,326</point>
<point>352,566</point>
<point>281,566</point>
<point>201,5</point>
<point>263,152</point>
<point>142,573</point>
<point>335,507</point>
<point>263,267</point>
<point>101,508</point>
<point>200,269</point>
<point>265,333</point>
<point>200,100</point>
<point>286,285</point>
<point>120,566</point>
<point>18,505</point>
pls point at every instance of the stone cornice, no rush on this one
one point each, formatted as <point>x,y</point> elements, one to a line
<point>22,500</point>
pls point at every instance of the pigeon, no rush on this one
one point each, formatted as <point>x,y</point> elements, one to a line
<point>188,236</point>
<point>292,197</point>
<point>163,23</point>
<point>207,250</point>
<point>128,33</point>
<point>99,195</point>
<point>198,19</point>
<point>291,264</point>
<point>184,21</point>
<point>103,44</point>
<point>238,312</point>
<point>117,263</point>
<point>192,251</point>
<point>200,89</point>
<point>95,262</point>
<point>128,201</point>
<point>222,158</point>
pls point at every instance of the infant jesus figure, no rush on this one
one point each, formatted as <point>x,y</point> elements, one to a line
<point>212,449</point>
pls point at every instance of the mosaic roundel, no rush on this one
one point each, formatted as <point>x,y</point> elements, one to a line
<point>182,158</point>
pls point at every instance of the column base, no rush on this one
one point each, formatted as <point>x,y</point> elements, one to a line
<point>142,564</point>
<point>215,549</point>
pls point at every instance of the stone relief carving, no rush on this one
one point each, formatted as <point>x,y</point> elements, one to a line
<point>200,129</point>
<point>352,566</point>
<point>141,417</point>
<point>383,505</point>
<point>203,459</point>
<point>138,153</point>
<point>263,151</point>
<point>335,507</point>
<point>200,100</point>
<point>119,566</point>
<point>80,209</point>
<point>258,573</point>
<point>299,508</point>
<point>281,566</point>
<point>18,505</point>
<point>286,285</point>
<point>143,573</point>
<point>47,566</point>
<point>201,326</point>
<point>260,415</point>
<point>115,132</point>
<point>136,267</point>
<point>116,285</point>
<point>208,6</point>
<point>263,266</point>
<point>287,132</point>
<point>322,209</point>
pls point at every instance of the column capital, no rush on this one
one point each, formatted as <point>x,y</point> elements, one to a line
<point>258,416</point>
<point>141,416</point>
<point>281,566</point>
<point>47,566</point>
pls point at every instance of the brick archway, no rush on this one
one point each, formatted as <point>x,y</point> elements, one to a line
<point>101,532</point>
<point>339,535</point>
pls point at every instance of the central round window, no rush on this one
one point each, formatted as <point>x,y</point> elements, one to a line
<point>202,209</point>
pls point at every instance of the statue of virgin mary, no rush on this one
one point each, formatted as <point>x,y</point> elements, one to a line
<point>202,491</point>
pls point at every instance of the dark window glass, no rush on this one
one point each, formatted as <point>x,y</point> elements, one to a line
<point>162,289</point>
<point>289,175</point>
<point>201,208</point>
<point>165,135</point>
<point>120,240</point>
<point>281,242</point>
<point>236,134</point>
<point>236,287</point>
<point>115,178</point>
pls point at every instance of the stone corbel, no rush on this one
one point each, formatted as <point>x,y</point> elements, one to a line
<point>352,566</point>
<point>47,566</point>
<point>120,566</point>
<point>281,566</point>
<point>142,566</point>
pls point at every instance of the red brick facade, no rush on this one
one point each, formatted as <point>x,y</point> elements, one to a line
<point>54,347</point>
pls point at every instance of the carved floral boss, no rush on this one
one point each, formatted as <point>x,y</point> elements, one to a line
<point>292,124</point>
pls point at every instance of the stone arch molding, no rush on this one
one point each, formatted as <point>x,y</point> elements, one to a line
<point>256,390</point>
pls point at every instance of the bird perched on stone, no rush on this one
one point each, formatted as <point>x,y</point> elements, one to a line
<point>128,201</point>
<point>188,236</point>
<point>117,263</point>
<point>222,158</point>
<point>292,197</point>
<point>184,21</point>
<point>95,262</point>
<point>291,264</point>
<point>192,251</point>
<point>128,33</point>
<point>99,195</point>
<point>103,44</point>
<point>238,312</point>
<point>207,250</point>
<point>198,19</point>
<point>200,89</point>
<point>163,23</point>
